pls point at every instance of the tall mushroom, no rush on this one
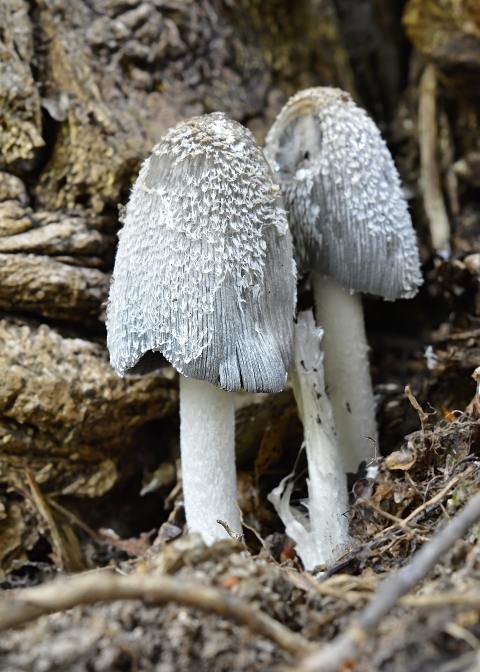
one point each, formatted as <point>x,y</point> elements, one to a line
<point>352,230</point>
<point>204,275</point>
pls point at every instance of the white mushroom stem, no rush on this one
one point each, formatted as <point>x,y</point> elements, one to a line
<point>347,369</point>
<point>207,445</point>
<point>322,538</point>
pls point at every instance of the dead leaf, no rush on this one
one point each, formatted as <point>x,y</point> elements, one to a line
<point>135,547</point>
<point>362,489</point>
<point>403,459</point>
<point>448,415</point>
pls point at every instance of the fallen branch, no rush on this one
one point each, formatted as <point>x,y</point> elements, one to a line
<point>346,646</point>
<point>30,603</point>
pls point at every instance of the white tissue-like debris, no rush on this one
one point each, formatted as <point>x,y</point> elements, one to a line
<point>203,272</point>
<point>348,216</point>
<point>372,471</point>
<point>323,537</point>
<point>431,357</point>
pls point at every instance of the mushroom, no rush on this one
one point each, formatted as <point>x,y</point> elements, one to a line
<point>352,230</point>
<point>204,275</point>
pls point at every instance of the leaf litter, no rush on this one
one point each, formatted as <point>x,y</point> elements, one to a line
<point>403,499</point>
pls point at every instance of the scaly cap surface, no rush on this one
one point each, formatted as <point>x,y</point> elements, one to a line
<point>204,272</point>
<point>348,217</point>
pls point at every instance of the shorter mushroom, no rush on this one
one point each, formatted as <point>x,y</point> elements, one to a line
<point>204,276</point>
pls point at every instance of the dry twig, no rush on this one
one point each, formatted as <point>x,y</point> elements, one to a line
<point>345,647</point>
<point>252,529</point>
<point>441,495</point>
<point>30,603</point>
<point>233,535</point>
<point>455,598</point>
<point>430,178</point>
<point>464,335</point>
<point>421,413</point>
<point>398,521</point>
<point>431,502</point>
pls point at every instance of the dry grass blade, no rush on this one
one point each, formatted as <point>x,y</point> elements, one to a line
<point>74,519</point>
<point>421,413</point>
<point>345,647</point>
<point>31,603</point>
<point>68,555</point>
<point>44,511</point>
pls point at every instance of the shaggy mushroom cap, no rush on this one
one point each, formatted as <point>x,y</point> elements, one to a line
<point>204,271</point>
<point>348,217</point>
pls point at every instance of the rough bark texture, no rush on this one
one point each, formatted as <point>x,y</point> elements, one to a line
<point>67,416</point>
<point>448,33</point>
<point>20,117</point>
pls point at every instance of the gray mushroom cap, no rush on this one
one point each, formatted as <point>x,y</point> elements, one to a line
<point>204,272</point>
<point>348,217</point>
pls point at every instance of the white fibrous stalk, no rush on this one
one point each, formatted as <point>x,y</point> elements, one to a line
<point>323,536</point>
<point>347,369</point>
<point>207,444</point>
